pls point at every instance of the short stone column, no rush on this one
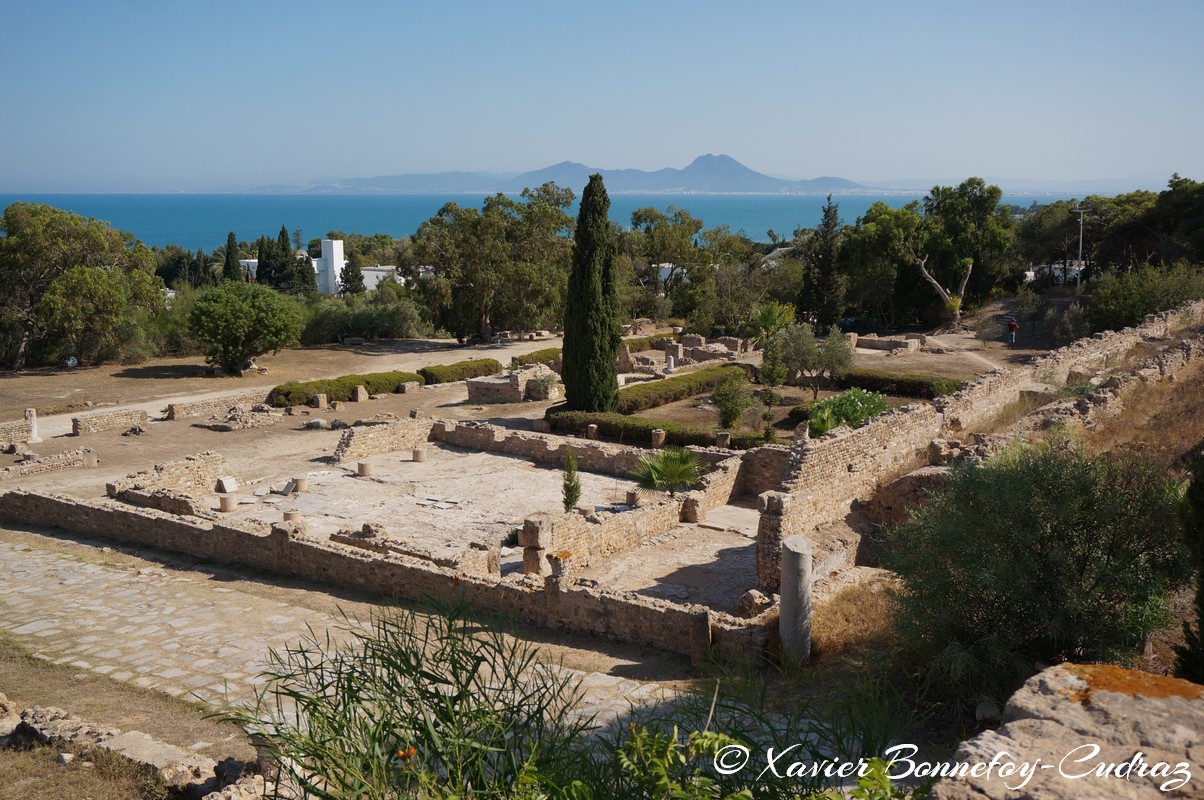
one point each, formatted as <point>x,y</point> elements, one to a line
<point>633,497</point>
<point>794,623</point>
<point>723,439</point>
<point>670,363</point>
<point>591,431</point>
<point>291,515</point>
<point>700,637</point>
<point>227,503</point>
<point>802,432</point>
<point>300,484</point>
<point>319,402</point>
<point>419,455</point>
<point>658,438</point>
<point>31,418</point>
<point>363,469</point>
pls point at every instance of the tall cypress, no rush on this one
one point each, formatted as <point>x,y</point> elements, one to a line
<point>265,271</point>
<point>231,271</point>
<point>591,323</point>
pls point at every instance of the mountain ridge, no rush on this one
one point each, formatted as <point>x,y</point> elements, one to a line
<point>706,174</point>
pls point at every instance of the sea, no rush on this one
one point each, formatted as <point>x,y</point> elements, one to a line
<point>201,221</point>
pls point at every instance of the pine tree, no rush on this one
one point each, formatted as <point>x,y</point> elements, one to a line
<point>822,298</point>
<point>231,270</point>
<point>591,324</point>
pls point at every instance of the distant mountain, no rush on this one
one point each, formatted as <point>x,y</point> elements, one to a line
<point>709,174</point>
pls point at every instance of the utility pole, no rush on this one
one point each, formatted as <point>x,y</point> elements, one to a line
<point>1082,212</point>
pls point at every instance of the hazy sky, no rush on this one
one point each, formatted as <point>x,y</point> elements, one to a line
<point>164,96</point>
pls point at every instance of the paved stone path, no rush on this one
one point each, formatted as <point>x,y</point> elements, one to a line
<point>184,636</point>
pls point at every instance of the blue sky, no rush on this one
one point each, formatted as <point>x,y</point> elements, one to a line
<point>175,96</point>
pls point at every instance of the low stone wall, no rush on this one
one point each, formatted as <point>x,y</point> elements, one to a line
<point>285,548</point>
<point>195,474</point>
<point>98,421</point>
<point>360,441</point>
<point>597,536</point>
<point>20,431</point>
<point>71,459</point>
<point>869,341</point>
<point>214,405</point>
<point>763,469</point>
<point>832,472</point>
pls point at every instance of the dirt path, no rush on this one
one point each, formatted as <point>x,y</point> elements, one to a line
<point>151,385</point>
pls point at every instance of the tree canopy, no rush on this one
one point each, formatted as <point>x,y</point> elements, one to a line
<point>238,321</point>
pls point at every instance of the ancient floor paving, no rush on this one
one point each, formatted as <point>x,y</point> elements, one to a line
<point>161,630</point>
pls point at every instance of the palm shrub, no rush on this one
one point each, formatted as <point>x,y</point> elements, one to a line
<point>670,470</point>
<point>1040,555</point>
<point>413,706</point>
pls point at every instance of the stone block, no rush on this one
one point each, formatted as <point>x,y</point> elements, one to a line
<point>534,563</point>
<point>227,484</point>
<point>360,395</point>
<point>319,402</point>
<point>541,426</point>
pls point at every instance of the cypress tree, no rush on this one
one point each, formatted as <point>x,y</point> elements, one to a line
<point>231,271</point>
<point>591,324</point>
<point>265,272</point>
<point>352,276</point>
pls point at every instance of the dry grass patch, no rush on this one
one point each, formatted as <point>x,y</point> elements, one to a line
<point>854,623</point>
<point>31,771</point>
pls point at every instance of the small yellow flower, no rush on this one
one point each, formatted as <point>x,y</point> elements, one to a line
<point>406,753</point>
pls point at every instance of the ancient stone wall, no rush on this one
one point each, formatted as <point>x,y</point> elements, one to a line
<point>194,474</point>
<point>20,431</point>
<point>285,548</point>
<point>71,459</point>
<point>360,441</point>
<point>763,469</point>
<point>830,473</point>
<point>106,420</point>
<point>214,405</point>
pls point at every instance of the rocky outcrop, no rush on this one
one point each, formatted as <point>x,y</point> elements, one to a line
<point>1082,732</point>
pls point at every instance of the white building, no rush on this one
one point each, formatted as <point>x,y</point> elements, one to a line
<point>330,266</point>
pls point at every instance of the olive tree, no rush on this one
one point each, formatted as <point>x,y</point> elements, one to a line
<point>238,321</point>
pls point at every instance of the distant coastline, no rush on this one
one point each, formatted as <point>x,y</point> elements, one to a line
<point>195,220</point>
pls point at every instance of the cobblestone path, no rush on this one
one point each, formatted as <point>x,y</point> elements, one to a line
<point>159,629</point>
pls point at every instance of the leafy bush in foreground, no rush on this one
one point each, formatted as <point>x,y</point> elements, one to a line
<point>1040,555</point>
<point>847,408</point>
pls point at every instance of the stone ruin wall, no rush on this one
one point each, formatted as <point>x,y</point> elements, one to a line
<point>20,431</point>
<point>559,604</point>
<point>361,441</point>
<point>98,421</point>
<point>176,487</point>
<point>763,469</point>
<point>214,405</point>
<point>829,474</point>
<point>72,459</point>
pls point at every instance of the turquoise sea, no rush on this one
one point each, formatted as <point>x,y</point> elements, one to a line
<point>196,221</point>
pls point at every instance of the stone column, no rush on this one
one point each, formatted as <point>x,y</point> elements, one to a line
<point>794,624</point>
<point>723,439</point>
<point>658,438</point>
<point>319,402</point>
<point>31,417</point>
<point>700,637</point>
<point>419,455</point>
<point>363,469</point>
<point>591,431</point>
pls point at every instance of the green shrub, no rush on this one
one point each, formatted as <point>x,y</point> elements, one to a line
<point>638,430</point>
<point>546,356</point>
<point>801,412</point>
<point>638,344</point>
<point>847,408</point>
<point>927,387</point>
<point>732,398</point>
<point>461,370</point>
<point>1041,555</point>
<point>296,393</point>
<point>642,396</point>
<point>1118,301</point>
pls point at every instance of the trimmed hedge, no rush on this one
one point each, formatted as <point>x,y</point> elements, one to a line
<point>642,396</point>
<point>545,356</point>
<point>638,430</point>
<point>927,387</point>
<point>461,370</point>
<point>801,412</point>
<point>295,393</point>
<point>638,344</point>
